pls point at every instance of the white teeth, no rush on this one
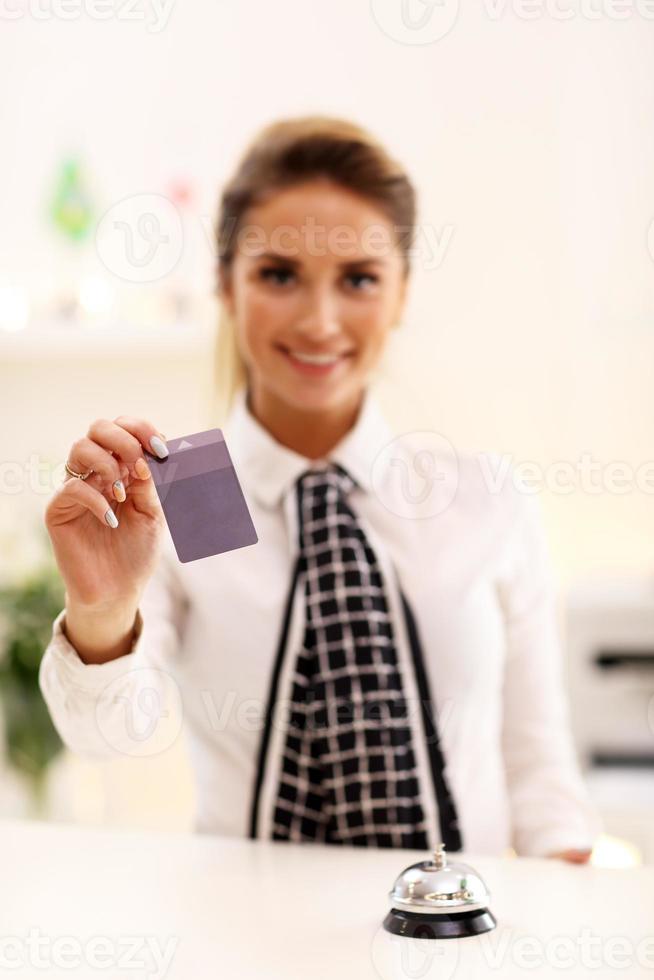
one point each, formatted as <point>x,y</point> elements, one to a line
<point>315,358</point>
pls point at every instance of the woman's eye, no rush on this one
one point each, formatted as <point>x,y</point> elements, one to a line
<point>276,275</point>
<point>359,278</point>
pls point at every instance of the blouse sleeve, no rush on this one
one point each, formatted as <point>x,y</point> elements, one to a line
<point>128,705</point>
<point>550,807</point>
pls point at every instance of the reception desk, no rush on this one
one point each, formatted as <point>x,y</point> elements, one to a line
<point>80,902</point>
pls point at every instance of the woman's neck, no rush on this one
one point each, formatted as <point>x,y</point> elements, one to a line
<point>309,433</point>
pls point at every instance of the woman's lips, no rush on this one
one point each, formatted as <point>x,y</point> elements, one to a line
<point>314,370</point>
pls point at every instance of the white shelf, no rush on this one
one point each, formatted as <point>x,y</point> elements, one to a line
<point>47,341</point>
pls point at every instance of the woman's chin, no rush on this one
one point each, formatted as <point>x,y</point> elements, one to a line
<point>304,399</point>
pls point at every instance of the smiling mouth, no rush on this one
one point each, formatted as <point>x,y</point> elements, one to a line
<point>314,363</point>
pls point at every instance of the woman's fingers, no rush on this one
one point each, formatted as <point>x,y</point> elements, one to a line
<point>114,449</point>
<point>79,492</point>
<point>146,433</point>
<point>87,455</point>
<point>108,444</point>
<point>127,438</point>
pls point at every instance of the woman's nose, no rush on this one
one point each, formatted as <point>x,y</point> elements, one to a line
<point>320,319</point>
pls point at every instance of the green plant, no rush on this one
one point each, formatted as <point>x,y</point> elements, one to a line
<point>27,609</point>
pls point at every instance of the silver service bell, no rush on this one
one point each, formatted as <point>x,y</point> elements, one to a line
<point>439,899</point>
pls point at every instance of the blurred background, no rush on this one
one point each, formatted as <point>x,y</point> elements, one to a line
<point>529,330</point>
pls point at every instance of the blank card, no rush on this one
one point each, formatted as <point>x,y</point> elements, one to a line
<point>201,496</point>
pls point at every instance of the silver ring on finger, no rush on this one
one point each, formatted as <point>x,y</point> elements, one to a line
<point>80,476</point>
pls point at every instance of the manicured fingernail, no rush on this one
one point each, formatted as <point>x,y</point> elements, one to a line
<point>111,518</point>
<point>119,491</point>
<point>142,468</point>
<point>158,447</point>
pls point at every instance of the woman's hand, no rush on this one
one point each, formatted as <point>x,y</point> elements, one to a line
<point>105,567</point>
<point>574,857</point>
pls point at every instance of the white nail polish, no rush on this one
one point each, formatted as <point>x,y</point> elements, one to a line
<point>111,518</point>
<point>158,447</point>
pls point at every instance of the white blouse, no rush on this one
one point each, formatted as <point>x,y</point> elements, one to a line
<point>475,571</point>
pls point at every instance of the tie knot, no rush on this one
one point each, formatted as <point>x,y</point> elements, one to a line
<point>317,480</point>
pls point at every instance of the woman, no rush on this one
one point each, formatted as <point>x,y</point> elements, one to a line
<point>416,660</point>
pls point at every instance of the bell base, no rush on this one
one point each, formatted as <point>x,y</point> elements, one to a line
<point>455,925</point>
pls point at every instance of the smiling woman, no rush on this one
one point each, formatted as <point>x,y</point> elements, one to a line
<point>313,239</point>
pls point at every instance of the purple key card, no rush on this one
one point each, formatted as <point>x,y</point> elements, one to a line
<point>201,496</point>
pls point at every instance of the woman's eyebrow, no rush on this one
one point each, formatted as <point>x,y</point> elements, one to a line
<point>365,260</point>
<point>347,264</point>
<point>274,257</point>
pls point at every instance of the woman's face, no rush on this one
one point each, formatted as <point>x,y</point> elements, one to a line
<point>316,284</point>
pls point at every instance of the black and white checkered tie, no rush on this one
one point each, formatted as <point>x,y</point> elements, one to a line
<point>348,771</point>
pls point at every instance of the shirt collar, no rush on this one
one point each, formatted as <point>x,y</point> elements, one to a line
<point>270,469</point>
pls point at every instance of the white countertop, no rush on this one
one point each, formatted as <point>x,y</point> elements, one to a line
<point>74,899</point>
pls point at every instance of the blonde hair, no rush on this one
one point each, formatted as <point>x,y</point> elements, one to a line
<point>290,152</point>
